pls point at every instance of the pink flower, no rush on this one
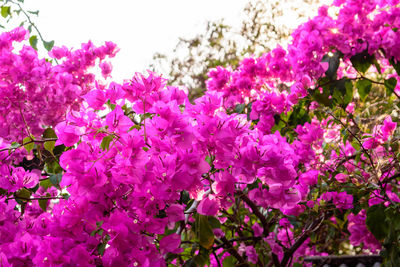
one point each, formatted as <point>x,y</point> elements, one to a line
<point>341,177</point>
<point>175,213</point>
<point>208,206</point>
<point>170,243</point>
<point>388,127</point>
<point>106,69</point>
<point>309,178</point>
<point>67,134</point>
<point>95,99</point>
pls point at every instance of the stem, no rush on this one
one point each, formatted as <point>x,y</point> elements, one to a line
<point>34,198</point>
<point>359,141</point>
<point>216,258</point>
<point>31,23</point>
<point>29,142</point>
<point>256,212</point>
<point>234,252</point>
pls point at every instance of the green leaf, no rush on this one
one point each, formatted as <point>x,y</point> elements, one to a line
<point>390,84</point>
<point>137,127</point>
<point>363,87</point>
<point>394,217</point>
<point>48,45</point>
<point>377,66</point>
<point>324,97</point>
<point>5,11</point>
<point>348,97</point>
<point>101,248</point>
<point>190,263</point>
<point>65,196</point>
<point>105,143</point>
<point>229,261</point>
<point>204,231</point>
<point>240,108</point>
<point>33,40</point>
<point>184,197</point>
<point>45,183</point>
<point>49,133</point>
<point>376,222</point>
<point>362,61</point>
<point>34,12</point>
<point>23,194</point>
<point>49,146</point>
<point>43,202</point>
<point>214,222</point>
<point>209,160</point>
<point>55,179</point>
<point>52,166</point>
<point>29,146</point>
<point>203,258</point>
<point>334,62</point>
<point>15,145</point>
<point>395,64</point>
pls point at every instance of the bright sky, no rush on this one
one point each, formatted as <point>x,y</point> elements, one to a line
<point>139,27</point>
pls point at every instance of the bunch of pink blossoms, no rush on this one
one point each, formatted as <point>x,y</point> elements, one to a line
<point>133,174</point>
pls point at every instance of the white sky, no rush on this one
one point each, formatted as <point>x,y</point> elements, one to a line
<point>139,27</point>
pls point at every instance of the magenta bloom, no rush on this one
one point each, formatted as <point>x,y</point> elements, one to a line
<point>208,206</point>
<point>67,134</point>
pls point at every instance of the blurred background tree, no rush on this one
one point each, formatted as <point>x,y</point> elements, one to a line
<point>262,26</point>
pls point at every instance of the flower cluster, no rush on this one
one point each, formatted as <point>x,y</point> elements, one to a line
<point>273,163</point>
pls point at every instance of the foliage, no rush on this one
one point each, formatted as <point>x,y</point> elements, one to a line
<point>293,153</point>
<point>13,12</point>
<point>261,28</point>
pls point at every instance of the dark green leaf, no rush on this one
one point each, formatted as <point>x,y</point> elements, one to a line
<point>334,61</point>
<point>101,248</point>
<point>190,263</point>
<point>55,179</point>
<point>362,61</point>
<point>395,64</point>
<point>203,258</point>
<point>363,88</point>
<point>49,133</point>
<point>23,194</point>
<point>390,84</point>
<point>377,66</point>
<point>65,196</point>
<point>43,202</point>
<point>348,97</point>
<point>376,222</point>
<point>324,97</point>
<point>240,108</point>
<point>49,145</point>
<point>48,45</point>
<point>214,222</point>
<point>34,12</point>
<point>185,197</point>
<point>204,231</point>
<point>33,40</point>
<point>229,261</point>
<point>52,166</point>
<point>45,184</point>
